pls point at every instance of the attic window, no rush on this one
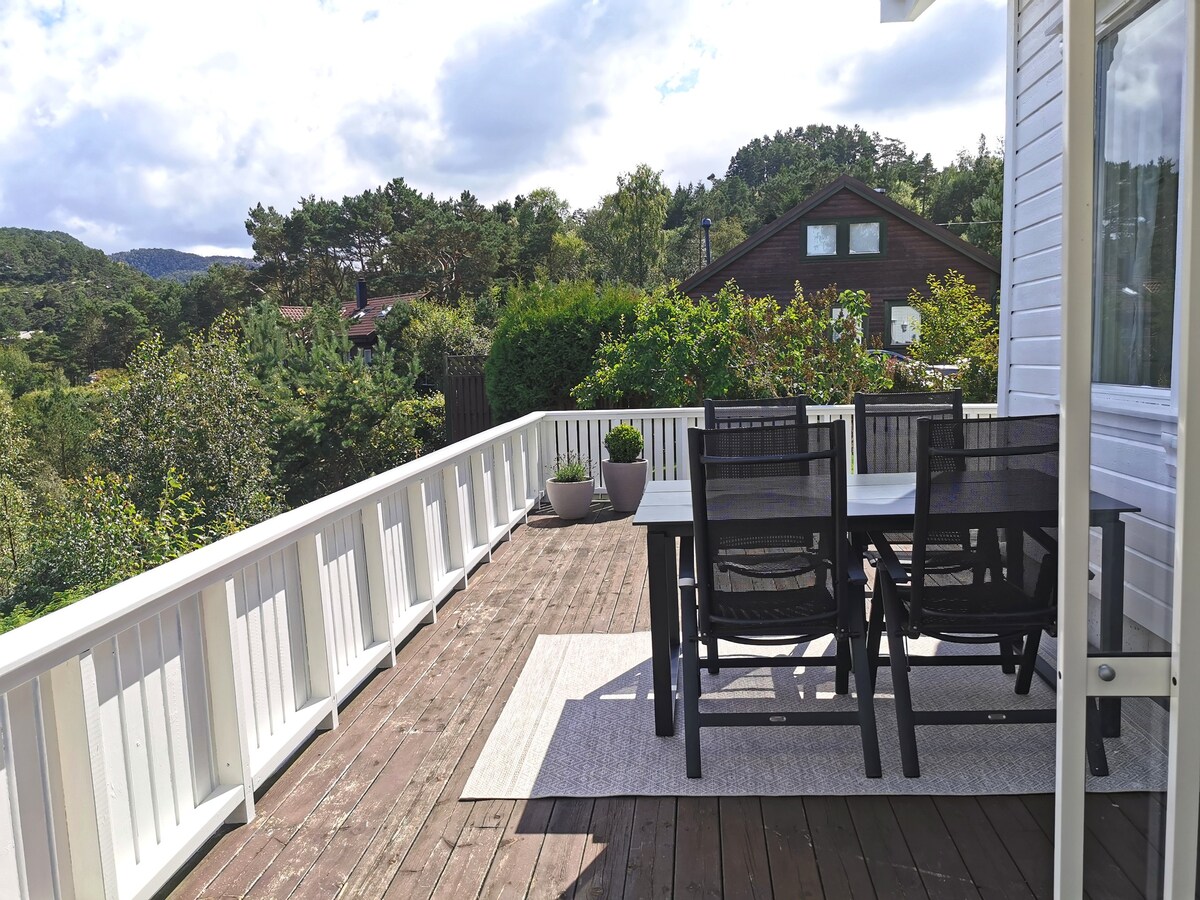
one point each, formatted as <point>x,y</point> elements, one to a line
<point>864,237</point>
<point>822,240</point>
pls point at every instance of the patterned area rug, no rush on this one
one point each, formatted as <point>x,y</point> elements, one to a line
<point>579,723</point>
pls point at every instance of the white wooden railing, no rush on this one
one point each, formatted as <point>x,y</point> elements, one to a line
<point>136,722</point>
<point>664,432</point>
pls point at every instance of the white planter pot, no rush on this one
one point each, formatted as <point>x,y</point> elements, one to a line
<point>626,482</point>
<point>570,499</point>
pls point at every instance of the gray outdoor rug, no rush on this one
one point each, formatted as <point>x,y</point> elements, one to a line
<point>579,723</point>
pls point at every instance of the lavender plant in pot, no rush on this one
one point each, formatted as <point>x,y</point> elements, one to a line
<point>625,469</point>
<point>571,486</point>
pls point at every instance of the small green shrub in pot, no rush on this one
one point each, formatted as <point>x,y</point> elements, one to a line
<point>570,486</point>
<point>624,444</point>
<point>570,468</point>
<point>624,470</point>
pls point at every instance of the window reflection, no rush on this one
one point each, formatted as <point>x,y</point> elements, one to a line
<point>1140,85</point>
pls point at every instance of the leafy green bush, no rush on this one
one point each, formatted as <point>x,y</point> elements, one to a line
<point>624,444</point>
<point>545,340</point>
<point>680,351</point>
<point>431,331</point>
<point>979,370</point>
<point>957,326</point>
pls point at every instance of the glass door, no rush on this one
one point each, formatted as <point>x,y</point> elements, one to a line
<point>1128,654</point>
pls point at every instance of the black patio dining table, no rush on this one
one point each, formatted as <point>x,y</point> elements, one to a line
<point>874,503</point>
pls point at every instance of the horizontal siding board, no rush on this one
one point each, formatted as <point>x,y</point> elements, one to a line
<point>1045,207</point>
<point>1043,351</point>
<point>1040,123</point>
<point>1035,323</point>
<point>1031,13</point>
<point>1046,235</point>
<point>1040,380</point>
<point>1039,295</point>
<point>1033,181</point>
<point>1037,266</point>
<point>1022,403</point>
<point>1039,150</point>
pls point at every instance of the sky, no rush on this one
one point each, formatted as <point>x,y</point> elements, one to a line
<point>143,123</point>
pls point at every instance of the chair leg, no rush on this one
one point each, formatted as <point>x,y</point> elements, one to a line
<point>714,659</point>
<point>866,707</point>
<point>1028,661</point>
<point>905,721</point>
<point>841,675</point>
<point>690,676</point>
<point>874,634</point>
<point>1007,655</point>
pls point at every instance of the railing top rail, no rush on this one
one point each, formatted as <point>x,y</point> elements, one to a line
<point>46,642</point>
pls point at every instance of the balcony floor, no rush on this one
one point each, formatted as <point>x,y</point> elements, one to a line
<point>371,809</point>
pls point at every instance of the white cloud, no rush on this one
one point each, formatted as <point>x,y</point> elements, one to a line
<point>142,123</point>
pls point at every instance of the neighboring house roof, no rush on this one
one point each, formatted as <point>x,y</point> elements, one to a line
<point>842,183</point>
<point>363,321</point>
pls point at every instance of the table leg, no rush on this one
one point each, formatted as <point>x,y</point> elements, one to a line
<point>1112,613</point>
<point>664,628</point>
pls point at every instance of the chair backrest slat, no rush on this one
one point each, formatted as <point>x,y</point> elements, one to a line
<point>885,427</point>
<point>756,413</point>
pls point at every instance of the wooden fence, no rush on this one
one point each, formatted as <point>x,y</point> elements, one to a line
<point>467,409</point>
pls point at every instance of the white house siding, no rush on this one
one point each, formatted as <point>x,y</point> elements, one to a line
<point>1130,459</point>
<point>1031,280</point>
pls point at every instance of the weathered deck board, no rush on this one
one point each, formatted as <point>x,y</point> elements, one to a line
<point>371,809</point>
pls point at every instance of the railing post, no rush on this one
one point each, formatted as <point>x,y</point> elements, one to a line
<point>318,627</point>
<point>418,531</point>
<point>84,808</point>
<point>227,693</point>
<point>480,503</point>
<point>455,524</point>
<point>501,472</point>
<point>383,622</point>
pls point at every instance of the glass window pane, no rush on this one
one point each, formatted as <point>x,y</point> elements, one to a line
<point>822,240</point>
<point>904,324</point>
<point>839,316</point>
<point>1140,85</point>
<point>864,237</point>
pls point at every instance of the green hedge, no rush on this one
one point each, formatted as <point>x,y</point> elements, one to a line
<point>545,340</point>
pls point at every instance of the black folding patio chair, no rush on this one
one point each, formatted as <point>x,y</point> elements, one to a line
<point>759,414</point>
<point>772,566</point>
<point>983,475</point>
<point>885,441</point>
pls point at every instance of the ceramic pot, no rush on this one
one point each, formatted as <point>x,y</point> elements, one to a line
<point>626,482</point>
<point>570,499</point>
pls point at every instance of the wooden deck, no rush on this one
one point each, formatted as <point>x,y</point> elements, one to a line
<point>372,810</point>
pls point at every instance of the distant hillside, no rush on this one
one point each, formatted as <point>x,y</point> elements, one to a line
<point>175,264</point>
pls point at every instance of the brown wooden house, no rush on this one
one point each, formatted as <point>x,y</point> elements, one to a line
<point>857,238</point>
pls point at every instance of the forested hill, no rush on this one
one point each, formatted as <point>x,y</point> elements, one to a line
<point>175,264</point>
<point>86,311</point>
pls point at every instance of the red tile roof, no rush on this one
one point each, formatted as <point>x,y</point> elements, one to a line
<point>362,322</point>
<point>293,313</point>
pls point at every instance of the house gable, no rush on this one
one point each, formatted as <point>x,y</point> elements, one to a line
<point>774,260</point>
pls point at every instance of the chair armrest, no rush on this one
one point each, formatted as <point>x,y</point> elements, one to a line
<point>888,559</point>
<point>854,565</point>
